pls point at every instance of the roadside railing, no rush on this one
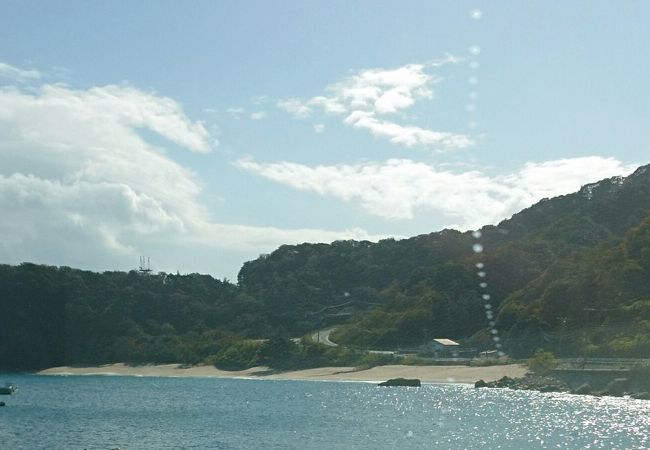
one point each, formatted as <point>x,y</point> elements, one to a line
<point>603,362</point>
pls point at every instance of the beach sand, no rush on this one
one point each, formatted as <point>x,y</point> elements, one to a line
<point>427,374</point>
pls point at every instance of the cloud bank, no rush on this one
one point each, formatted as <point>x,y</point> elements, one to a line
<point>83,183</point>
<point>402,188</point>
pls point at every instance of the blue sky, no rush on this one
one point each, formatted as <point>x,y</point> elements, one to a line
<point>205,134</point>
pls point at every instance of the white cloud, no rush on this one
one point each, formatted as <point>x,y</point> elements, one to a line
<point>16,74</point>
<point>406,135</point>
<point>329,105</point>
<point>80,184</point>
<point>296,107</point>
<point>398,188</point>
<point>108,108</point>
<point>370,94</point>
<point>319,127</point>
<point>258,115</point>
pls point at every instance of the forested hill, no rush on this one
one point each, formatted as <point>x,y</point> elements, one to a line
<point>426,286</point>
<point>570,274</point>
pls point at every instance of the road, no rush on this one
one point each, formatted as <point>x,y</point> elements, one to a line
<point>323,337</point>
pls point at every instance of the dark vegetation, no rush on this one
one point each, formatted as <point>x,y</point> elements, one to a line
<point>570,275</point>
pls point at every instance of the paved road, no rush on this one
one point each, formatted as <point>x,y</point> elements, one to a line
<point>323,336</point>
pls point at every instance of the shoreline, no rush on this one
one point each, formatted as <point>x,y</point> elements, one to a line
<point>427,374</point>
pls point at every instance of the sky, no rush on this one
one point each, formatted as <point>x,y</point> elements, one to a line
<point>204,134</point>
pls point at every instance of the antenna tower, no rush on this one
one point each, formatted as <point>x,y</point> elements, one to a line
<point>145,265</point>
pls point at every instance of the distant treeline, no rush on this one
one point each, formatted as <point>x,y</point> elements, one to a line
<point>570,274</point>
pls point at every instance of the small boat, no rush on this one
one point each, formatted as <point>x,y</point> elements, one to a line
<point>8,389</point>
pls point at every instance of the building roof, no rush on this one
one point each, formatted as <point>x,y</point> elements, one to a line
<point>446,342</point>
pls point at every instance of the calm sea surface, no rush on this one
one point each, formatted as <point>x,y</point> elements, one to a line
<point>103,412</point>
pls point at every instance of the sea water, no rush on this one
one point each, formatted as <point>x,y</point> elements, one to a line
<point>104,412</point>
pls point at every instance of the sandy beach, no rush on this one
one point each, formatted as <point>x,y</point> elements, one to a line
<point>427,374</point>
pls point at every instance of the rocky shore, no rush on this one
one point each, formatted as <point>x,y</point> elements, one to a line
<point>618,387</point>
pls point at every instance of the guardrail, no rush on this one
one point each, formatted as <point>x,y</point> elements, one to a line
<point>608,360</point>
<point>626,362</point>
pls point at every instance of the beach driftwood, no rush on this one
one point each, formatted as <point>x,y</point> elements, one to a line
<point>411,382</point>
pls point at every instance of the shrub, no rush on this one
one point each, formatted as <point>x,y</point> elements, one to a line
<point>542,362</point>
<point>376,359</point>
<point>237,356</point>
<point>491,361</point>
